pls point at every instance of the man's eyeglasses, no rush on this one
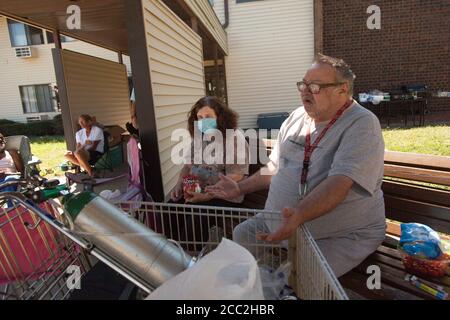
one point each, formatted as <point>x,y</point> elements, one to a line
<point>314,88</point>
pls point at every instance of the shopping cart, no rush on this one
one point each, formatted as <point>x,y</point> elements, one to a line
<point>199,229</point>
<point>37,247</point>
<point>41,257</point>
<point>34,256</point>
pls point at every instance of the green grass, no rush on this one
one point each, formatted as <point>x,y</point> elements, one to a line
<point>433,140</point>
<point>50,150</point>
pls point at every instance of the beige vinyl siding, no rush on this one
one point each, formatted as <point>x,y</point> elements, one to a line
<point>96,87</point>
<point>270,46</point>
<point>176,71</point>
<point>219,10</point>
<point>205,13</point>
<point>15,72</point>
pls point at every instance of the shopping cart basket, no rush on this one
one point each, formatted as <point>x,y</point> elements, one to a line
<point>199,229</point>
<point>36,247</point>
<point>34,256</point>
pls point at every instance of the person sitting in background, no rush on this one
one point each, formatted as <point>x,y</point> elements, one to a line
<point>11,165</point>
<point>132,127</point>
<point>90,145</point>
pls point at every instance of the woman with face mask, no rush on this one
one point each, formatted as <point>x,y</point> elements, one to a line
<point>208,119</point>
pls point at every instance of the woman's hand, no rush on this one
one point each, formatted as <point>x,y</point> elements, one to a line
<point>195,197</point>
<point>177,192</point>
<point>226,188</point>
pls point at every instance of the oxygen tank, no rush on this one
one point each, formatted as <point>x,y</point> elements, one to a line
<point>148,254</point>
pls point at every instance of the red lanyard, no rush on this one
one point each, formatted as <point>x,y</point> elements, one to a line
<point>309,149</point>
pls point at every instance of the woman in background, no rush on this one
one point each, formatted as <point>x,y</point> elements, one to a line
<point>90,145</point>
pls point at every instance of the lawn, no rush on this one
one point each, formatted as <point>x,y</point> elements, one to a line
<point>428,140</point>
<point>50,150</point>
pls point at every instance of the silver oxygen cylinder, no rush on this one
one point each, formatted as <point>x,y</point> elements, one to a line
<point>148,254</point>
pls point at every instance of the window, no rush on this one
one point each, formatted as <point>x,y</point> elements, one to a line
<point>38,98</point>
<point>63,38</point>
<point>24,35</point>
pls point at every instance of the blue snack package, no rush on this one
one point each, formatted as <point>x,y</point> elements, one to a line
<point>419,240</point>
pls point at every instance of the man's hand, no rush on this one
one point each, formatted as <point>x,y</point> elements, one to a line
<point>292,218</point>
<point>194,197</point>
<point>2,175</point>
<point>226,188</point>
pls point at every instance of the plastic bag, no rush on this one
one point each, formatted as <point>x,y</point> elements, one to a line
<point>275,282</point>
<point>423,251</point>
<point>420,241</point>
<point>228,273</point>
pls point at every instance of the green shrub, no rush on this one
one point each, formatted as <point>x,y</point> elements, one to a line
<point>35,128</point>
<point>57,124</point>
<point>6,121</point>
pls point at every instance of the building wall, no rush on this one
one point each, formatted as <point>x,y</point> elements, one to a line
<point>176,71</point>
<point>412,46</point>
<point>15,72</point>
<point>270,46</point>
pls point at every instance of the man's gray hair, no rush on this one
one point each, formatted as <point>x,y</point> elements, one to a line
<point>342,69</point>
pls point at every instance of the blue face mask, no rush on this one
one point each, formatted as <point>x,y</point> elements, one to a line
<point>206,125</point>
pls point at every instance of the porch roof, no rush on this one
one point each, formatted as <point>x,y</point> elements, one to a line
<point>103,22</point>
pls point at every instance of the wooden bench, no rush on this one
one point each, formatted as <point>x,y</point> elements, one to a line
<point>409,197</point>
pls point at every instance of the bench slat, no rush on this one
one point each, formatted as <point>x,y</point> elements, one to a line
<point>417,160</point>
<point>415,192</point>
<point>405,210</point>
<point>393,277</point>
<point>356,281</point>
<point>417,174</point>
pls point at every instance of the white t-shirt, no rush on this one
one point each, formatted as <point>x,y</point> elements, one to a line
<point>96,134</point>
<point>7,164</point>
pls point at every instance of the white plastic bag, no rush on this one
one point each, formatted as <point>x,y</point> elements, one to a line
<point>227,273</point>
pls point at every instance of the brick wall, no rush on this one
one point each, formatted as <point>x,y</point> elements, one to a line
<point>411,47</point>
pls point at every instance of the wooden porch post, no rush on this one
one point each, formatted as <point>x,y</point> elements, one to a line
<point>69,130</point>
<point>57,39</point>
<point>194,24</point>
<point>137,48</point>
<point>216,66</point>
<point>318,26</point>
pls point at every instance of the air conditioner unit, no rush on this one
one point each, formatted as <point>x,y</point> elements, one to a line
<point>34,118</point>
<point>38,118</point>
<point>25,52</point>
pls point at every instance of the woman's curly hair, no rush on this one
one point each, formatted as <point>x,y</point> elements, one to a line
<point>226,118</point>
